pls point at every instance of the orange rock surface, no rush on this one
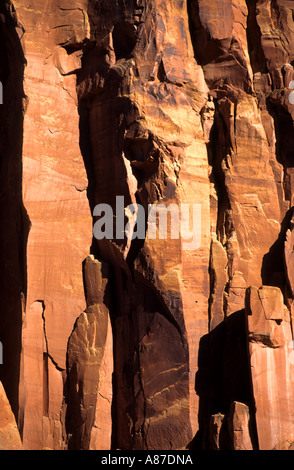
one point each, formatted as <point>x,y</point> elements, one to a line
<point>9,433</point>
<point>147,343</point>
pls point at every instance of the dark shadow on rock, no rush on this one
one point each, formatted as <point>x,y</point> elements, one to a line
<point>15,224</point>
<point>273,267</point>
<point>223,377</point>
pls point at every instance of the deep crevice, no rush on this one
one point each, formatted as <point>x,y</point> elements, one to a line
<point>223,377</point>
<point>14,220</point>
<point>255,49</point>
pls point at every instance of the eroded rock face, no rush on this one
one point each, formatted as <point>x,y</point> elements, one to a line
<point>272,366</point>
<point>86,352</point>
<point>171,102</point>
<point>231,432</point>
<point>9,433</point>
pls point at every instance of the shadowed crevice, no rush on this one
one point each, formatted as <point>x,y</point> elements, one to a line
<point>224,376</point>
<point>15,224</point>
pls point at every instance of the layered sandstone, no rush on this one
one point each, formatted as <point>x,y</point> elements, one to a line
<point>147,343</point>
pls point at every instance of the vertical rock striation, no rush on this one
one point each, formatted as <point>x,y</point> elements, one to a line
<point>141,342</point>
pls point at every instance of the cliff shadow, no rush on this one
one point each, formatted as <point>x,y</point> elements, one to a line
<point>273,265</point>
<point>14,226</point>
<point>223,377</point>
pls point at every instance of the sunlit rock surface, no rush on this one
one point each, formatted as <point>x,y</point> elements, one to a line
<point>147,343</point>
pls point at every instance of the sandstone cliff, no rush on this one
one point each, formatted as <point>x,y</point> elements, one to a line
<point>145,344</point>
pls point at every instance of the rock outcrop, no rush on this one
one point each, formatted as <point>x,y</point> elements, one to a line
<point>141,342</point>
<point>9,433</point>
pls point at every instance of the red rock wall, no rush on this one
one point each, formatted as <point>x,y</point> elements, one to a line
<point>147,344</point>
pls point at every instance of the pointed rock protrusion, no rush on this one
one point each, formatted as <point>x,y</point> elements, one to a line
<point>9,434</point>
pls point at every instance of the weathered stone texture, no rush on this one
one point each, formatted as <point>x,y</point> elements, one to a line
<point>9,433</point>
<point>152,343</point>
